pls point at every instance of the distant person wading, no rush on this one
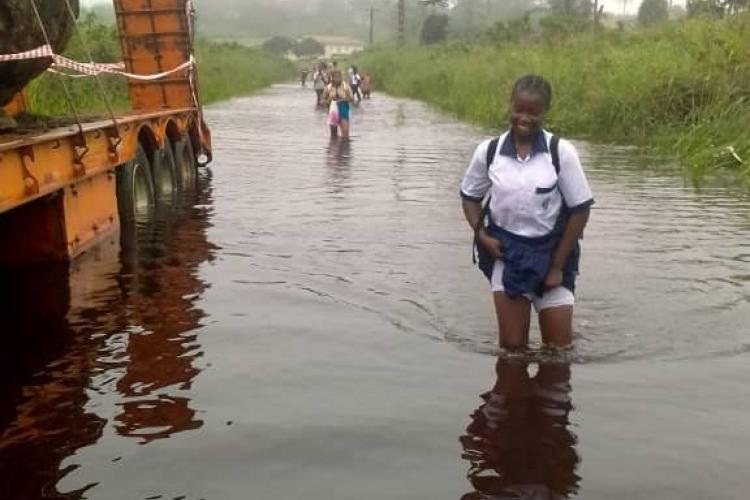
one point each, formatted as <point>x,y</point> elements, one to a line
<point>338,97</point>
<point>366,85</point>
<point>320,80</point>
<point>354,80</point>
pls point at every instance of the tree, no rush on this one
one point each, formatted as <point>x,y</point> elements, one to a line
<point>309,47</point>
<point>279,45</point>
<point>434,29</point>
<point>653,12</point>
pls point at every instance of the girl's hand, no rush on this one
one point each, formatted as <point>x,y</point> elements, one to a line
<point>553,279</point>
<point>492,245</point>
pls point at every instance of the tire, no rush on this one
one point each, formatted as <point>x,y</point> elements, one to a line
<point>165,173</point>
<point>186,164</point>
<point>135,188</point>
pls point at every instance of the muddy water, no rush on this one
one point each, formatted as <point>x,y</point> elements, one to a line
<point>309,325</point>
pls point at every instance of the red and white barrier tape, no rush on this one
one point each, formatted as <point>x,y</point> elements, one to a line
<point>45,51</point>
<point>88,69</point>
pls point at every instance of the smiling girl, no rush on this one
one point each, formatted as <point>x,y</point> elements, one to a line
<point>528,236</point>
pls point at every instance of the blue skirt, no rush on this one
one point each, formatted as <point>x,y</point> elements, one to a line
<point>527,260</point>
<point>343,110</point>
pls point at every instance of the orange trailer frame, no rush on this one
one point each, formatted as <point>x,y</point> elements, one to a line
<point>58,188</point>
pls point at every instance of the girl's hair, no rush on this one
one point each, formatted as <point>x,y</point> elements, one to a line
<point>534,84</point>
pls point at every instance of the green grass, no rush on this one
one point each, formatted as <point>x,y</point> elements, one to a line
<point>230,69</point>
<point>225,70</point>
<point>680,89</point>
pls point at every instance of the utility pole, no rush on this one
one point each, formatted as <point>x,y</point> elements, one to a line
<point>401,22</point>
<point>372,24</point>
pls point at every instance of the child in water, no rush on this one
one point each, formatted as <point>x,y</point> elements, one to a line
<point>539,205</point>
<point>366,86</point>
<point>339,92</point>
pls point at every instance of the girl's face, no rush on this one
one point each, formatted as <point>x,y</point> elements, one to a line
<point>336,79</point>
<point>527,112</point>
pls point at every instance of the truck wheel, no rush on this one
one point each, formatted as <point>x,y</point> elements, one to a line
<point>165,172</point>
<point>135,188</point>
<point>186,165</point>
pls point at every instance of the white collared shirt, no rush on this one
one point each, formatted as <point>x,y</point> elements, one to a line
<point>526,194</point>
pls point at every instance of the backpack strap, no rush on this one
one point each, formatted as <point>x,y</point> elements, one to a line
<point>492,151</point>
<point>554,149</point>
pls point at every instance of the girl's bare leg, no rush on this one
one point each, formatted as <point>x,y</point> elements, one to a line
<point>512,320</point>
<point>556,325</point>
<point>344,124</point>
<point>334,131</point>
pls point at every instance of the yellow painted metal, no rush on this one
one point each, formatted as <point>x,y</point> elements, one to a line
<point>155,37</point>
<point>35,166</point>
<point>58,187</point>
<point>90,211</point>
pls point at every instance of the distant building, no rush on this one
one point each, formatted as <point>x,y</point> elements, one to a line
<point>336,46</point>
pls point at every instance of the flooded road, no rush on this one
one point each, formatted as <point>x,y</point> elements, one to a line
<point>309,325</point>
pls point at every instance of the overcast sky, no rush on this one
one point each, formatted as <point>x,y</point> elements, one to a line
<point>614,6</point>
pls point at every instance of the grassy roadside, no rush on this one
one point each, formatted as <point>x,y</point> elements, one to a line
<point>225,70</point>
<point>682,89</point>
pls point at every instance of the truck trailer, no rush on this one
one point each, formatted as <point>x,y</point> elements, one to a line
<point>67,188</point>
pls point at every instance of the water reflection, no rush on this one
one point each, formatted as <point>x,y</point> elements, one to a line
<point>338,160</point>
<point>43,375</point>
<point>519,443</point>
<point>111,335</point>
<point>339,152</point>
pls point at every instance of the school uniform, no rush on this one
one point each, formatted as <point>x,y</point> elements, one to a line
<point>528,210</point>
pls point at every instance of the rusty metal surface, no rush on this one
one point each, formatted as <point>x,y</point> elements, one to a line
<point>12,141</point>
<point>35,166</point>
<point>154,37</point>
<point>62,177</point>
<point>90,208</point>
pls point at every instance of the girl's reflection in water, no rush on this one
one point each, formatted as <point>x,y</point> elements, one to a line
<point>518,442</point>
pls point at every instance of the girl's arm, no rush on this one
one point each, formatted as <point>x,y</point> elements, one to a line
<point>473,214</point>
<point>577,195</point>
<point>573,231</point>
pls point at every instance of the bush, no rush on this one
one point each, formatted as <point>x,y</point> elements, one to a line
<point>225,70</point>
<point>434,29</point>
<point>279,45</point>
<point>681,88</point>
<point>309,47</point>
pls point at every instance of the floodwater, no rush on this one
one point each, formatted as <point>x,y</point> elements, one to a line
<point>309,325</point>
